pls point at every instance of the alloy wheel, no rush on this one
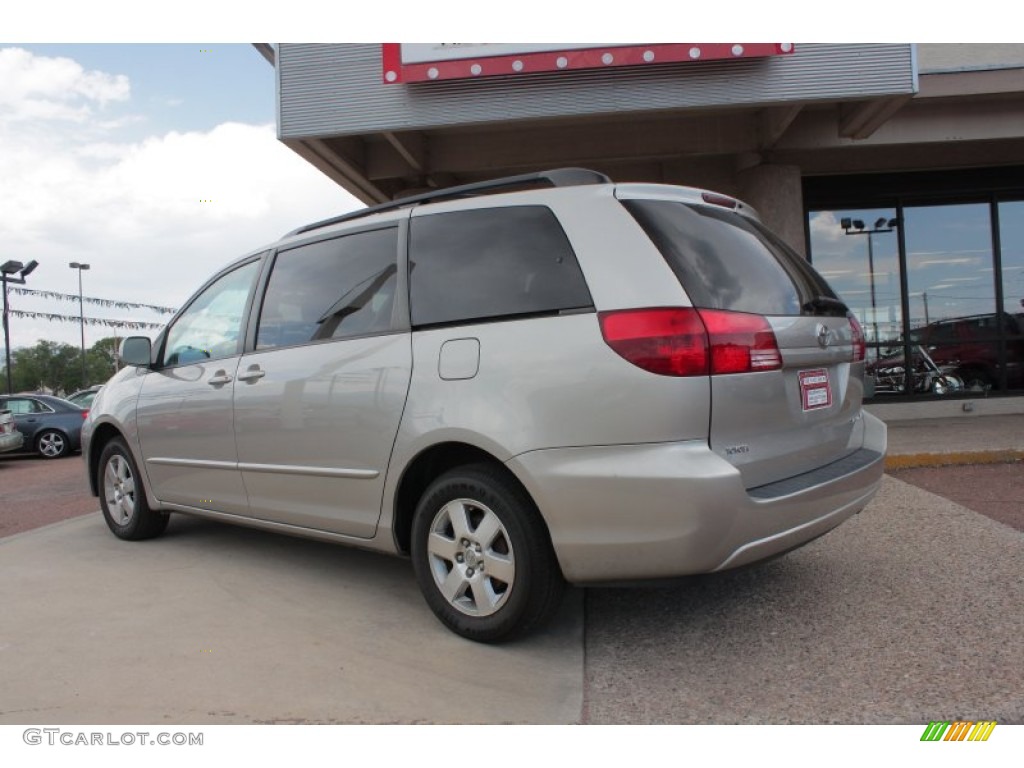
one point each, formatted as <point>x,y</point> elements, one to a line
<point>471,558</point>
<point>52,444</point>
<point>119,489</point>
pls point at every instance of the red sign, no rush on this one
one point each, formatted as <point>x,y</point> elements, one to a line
<point>427,62</point>
<point>815,391</point>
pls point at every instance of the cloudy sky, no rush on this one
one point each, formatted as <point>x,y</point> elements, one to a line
<point>154,164</point>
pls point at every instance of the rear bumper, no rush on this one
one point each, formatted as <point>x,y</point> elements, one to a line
<point>627,512</point>
<point>11,441</point>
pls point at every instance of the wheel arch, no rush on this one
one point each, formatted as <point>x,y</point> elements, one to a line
<point>426,467</point>
<point>102,434</point>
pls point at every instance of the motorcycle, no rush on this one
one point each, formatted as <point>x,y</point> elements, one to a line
<point>926,377</point>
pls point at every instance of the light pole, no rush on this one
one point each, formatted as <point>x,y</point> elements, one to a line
<point>81,314</point>
<point>882,225</point>
<point>7,271</point>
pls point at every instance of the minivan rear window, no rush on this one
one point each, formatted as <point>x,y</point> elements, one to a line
<point>727,261</point>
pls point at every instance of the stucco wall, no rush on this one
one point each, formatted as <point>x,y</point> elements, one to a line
<point>958,57</point>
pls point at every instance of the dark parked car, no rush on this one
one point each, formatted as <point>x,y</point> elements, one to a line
<point>52,427</point>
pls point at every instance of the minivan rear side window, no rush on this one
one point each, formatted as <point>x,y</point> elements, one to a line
<point>490,264</point>
<point>331,289</point>
<point>727,261</point>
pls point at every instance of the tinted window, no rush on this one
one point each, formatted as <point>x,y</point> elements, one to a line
<point>727,261</point>
<point>212,324</point>
<point>331,289</point>
<point>498,262</point>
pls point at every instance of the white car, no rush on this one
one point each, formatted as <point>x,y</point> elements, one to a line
<point>10,438</point>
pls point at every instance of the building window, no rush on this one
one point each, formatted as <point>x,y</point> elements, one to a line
<point>938,283</point>
<point>951,288</point>
<point>857,251</point>
<point>1011,240</point>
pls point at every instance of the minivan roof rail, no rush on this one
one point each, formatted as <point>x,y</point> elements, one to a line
<point>558,177</point>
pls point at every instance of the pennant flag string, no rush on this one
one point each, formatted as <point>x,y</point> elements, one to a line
<point>109,323</point>
<point>92,300</point>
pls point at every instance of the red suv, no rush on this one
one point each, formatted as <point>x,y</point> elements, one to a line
<point>969,344</point>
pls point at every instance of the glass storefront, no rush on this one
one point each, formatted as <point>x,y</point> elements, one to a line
<point>937,282</point>
<point>1011,242</point>
<point>857,251</point>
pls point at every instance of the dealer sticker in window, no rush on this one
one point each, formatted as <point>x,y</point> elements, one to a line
<point>815,391</point>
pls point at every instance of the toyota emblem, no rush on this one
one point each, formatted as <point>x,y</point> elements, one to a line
<point>824,336</point>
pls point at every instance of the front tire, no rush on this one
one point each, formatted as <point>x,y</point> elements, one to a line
<point>122,497</point>
<point>946,385</point>
<point>482,556</point>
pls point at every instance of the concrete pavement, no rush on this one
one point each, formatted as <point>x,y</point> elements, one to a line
<point>218,624</point>
<point>955,440</point>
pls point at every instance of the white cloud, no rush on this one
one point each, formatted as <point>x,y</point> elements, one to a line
<point>153,218</point>
<point>48,88</point>
<point>825,226</point>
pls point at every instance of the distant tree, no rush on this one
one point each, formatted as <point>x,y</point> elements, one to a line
<point>46,366</point>
<point>100,360</point>
<point>55,367</point>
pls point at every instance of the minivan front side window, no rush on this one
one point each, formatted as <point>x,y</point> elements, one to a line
<point>211,326</point>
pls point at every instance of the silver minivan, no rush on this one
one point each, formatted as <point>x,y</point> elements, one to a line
<point>519,383</point>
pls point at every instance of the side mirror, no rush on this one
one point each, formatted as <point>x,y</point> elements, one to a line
<point>137,351</point>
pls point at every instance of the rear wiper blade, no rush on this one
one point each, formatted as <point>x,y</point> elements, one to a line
<point>825,304</point>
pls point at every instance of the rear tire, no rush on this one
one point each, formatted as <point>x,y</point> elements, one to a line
<point>122,497</point>
<point>482,556</point>
<point>52,444</point>
<point>976,379</point>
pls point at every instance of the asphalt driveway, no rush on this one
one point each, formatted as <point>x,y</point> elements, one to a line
<point>910,612</point>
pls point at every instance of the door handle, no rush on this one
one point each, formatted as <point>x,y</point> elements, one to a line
<point>254,373</point>
<point>221,377</point>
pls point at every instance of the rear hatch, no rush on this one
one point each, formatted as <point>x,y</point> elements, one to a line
<point>793,402</point>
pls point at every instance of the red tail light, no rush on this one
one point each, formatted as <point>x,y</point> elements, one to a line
<point>670,342</point>
<point>85,413</point>
<point>691,342</point>
<point>860,347</point>
<point>741,343</point>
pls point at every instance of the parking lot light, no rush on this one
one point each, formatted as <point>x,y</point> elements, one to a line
<point>7,271</point>
<point>81,314</point>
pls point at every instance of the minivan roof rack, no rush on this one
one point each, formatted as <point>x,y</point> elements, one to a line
<point>558,177</point>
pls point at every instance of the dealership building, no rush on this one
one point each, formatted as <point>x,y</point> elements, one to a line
<point>897,169</point>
